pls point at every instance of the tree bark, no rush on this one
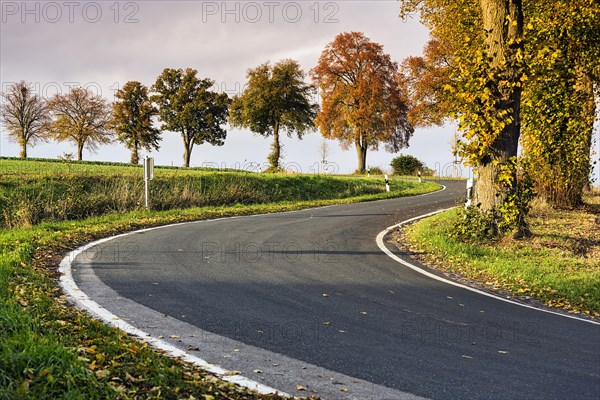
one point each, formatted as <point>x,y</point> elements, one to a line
<point>135,158</point>
<point>276,152</point>
<point>187,153</point>
<point>23,152</point>
<point>79,151</point>
<point>188,144</point>
<point>361,152</point>
<point>502,42</point>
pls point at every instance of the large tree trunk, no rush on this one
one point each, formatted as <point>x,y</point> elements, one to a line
<point>79,151</point>
<point>503,40</point>
<point>23,152</point>
<point>361,152</point>
<point>187,153</point>
<point>276,150</point>
<point>135,158</point>
<point>188,144</point>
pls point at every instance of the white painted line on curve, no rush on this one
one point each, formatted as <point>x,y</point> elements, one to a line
<point>383,247</point>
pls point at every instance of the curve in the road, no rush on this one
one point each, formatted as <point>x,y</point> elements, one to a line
<point>82,300</point>
<point>380,239</point>
<point>311,290</point>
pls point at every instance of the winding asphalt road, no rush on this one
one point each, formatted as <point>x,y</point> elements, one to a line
<point>308,298</point>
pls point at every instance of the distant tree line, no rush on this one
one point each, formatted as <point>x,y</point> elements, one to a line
<point>364,104</point>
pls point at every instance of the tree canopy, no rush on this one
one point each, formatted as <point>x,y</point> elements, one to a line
<point>363,103</point>
<point>425,78</point>
<point>559,110</point>
<point>276,98</point>
<point>81,117</point>
<point>553,64</point>
<point>132,119</point>
<point>188,106</point>
<point>25,115</point>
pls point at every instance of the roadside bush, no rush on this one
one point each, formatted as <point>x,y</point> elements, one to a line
<point>406,164</point>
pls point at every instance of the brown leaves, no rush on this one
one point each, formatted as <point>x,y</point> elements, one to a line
<point>361,98</point>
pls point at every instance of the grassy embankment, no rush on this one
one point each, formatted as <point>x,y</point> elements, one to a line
<point>558,266</point>
<point>50,350</point>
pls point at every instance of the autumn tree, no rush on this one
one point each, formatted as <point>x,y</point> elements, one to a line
<point>362,101</point>
<point>425,78</point>
<point>82,117</point>
<point>186,104</point>
<point>24,115</point>
<point>132,119</point>
<point>486,85</point>
<point>491,94</point>
<point>276,99</point>
<point>559,67</point>
<point>559,108</point>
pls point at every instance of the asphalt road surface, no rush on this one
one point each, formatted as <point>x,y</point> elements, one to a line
<point>313,287</point>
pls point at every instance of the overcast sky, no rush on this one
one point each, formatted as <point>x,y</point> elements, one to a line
<point>104,44</point>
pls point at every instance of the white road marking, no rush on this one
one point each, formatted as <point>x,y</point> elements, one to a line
<point>382,247</point>
<point>82,300</point>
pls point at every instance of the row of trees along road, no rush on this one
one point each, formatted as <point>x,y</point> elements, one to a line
<point>511,73</point>
<point>364,104</point>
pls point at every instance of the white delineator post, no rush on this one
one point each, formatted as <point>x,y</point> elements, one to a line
<point>387,184</point>
<point>469,193</point>
<point>148,176</point>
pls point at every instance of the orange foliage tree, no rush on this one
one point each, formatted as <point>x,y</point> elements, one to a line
<point>425,77</point>
<point>363,102</point>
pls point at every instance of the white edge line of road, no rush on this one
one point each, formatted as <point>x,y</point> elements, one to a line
<point>83,301</point>
<point>389,253</point>
<point>77,296</point>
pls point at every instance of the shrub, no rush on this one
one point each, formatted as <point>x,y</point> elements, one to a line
<point>406,164</point>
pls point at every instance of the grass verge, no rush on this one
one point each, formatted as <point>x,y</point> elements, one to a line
<point>558,266</point>
<point>32,192</point>
<point>50,350</point>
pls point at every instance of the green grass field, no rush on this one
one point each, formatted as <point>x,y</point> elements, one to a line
<point>36,191</point>
<point>559,265</point>
<point>49,350</point>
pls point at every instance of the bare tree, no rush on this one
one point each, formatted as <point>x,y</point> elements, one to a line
<point>81,117</point>
<point>24,115</point>
<point>324,154</point>
<point>324,150</point>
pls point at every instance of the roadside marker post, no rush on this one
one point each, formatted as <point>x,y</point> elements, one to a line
<point>470,184</point>
<point>148,176</point>
<point>387,184</point>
